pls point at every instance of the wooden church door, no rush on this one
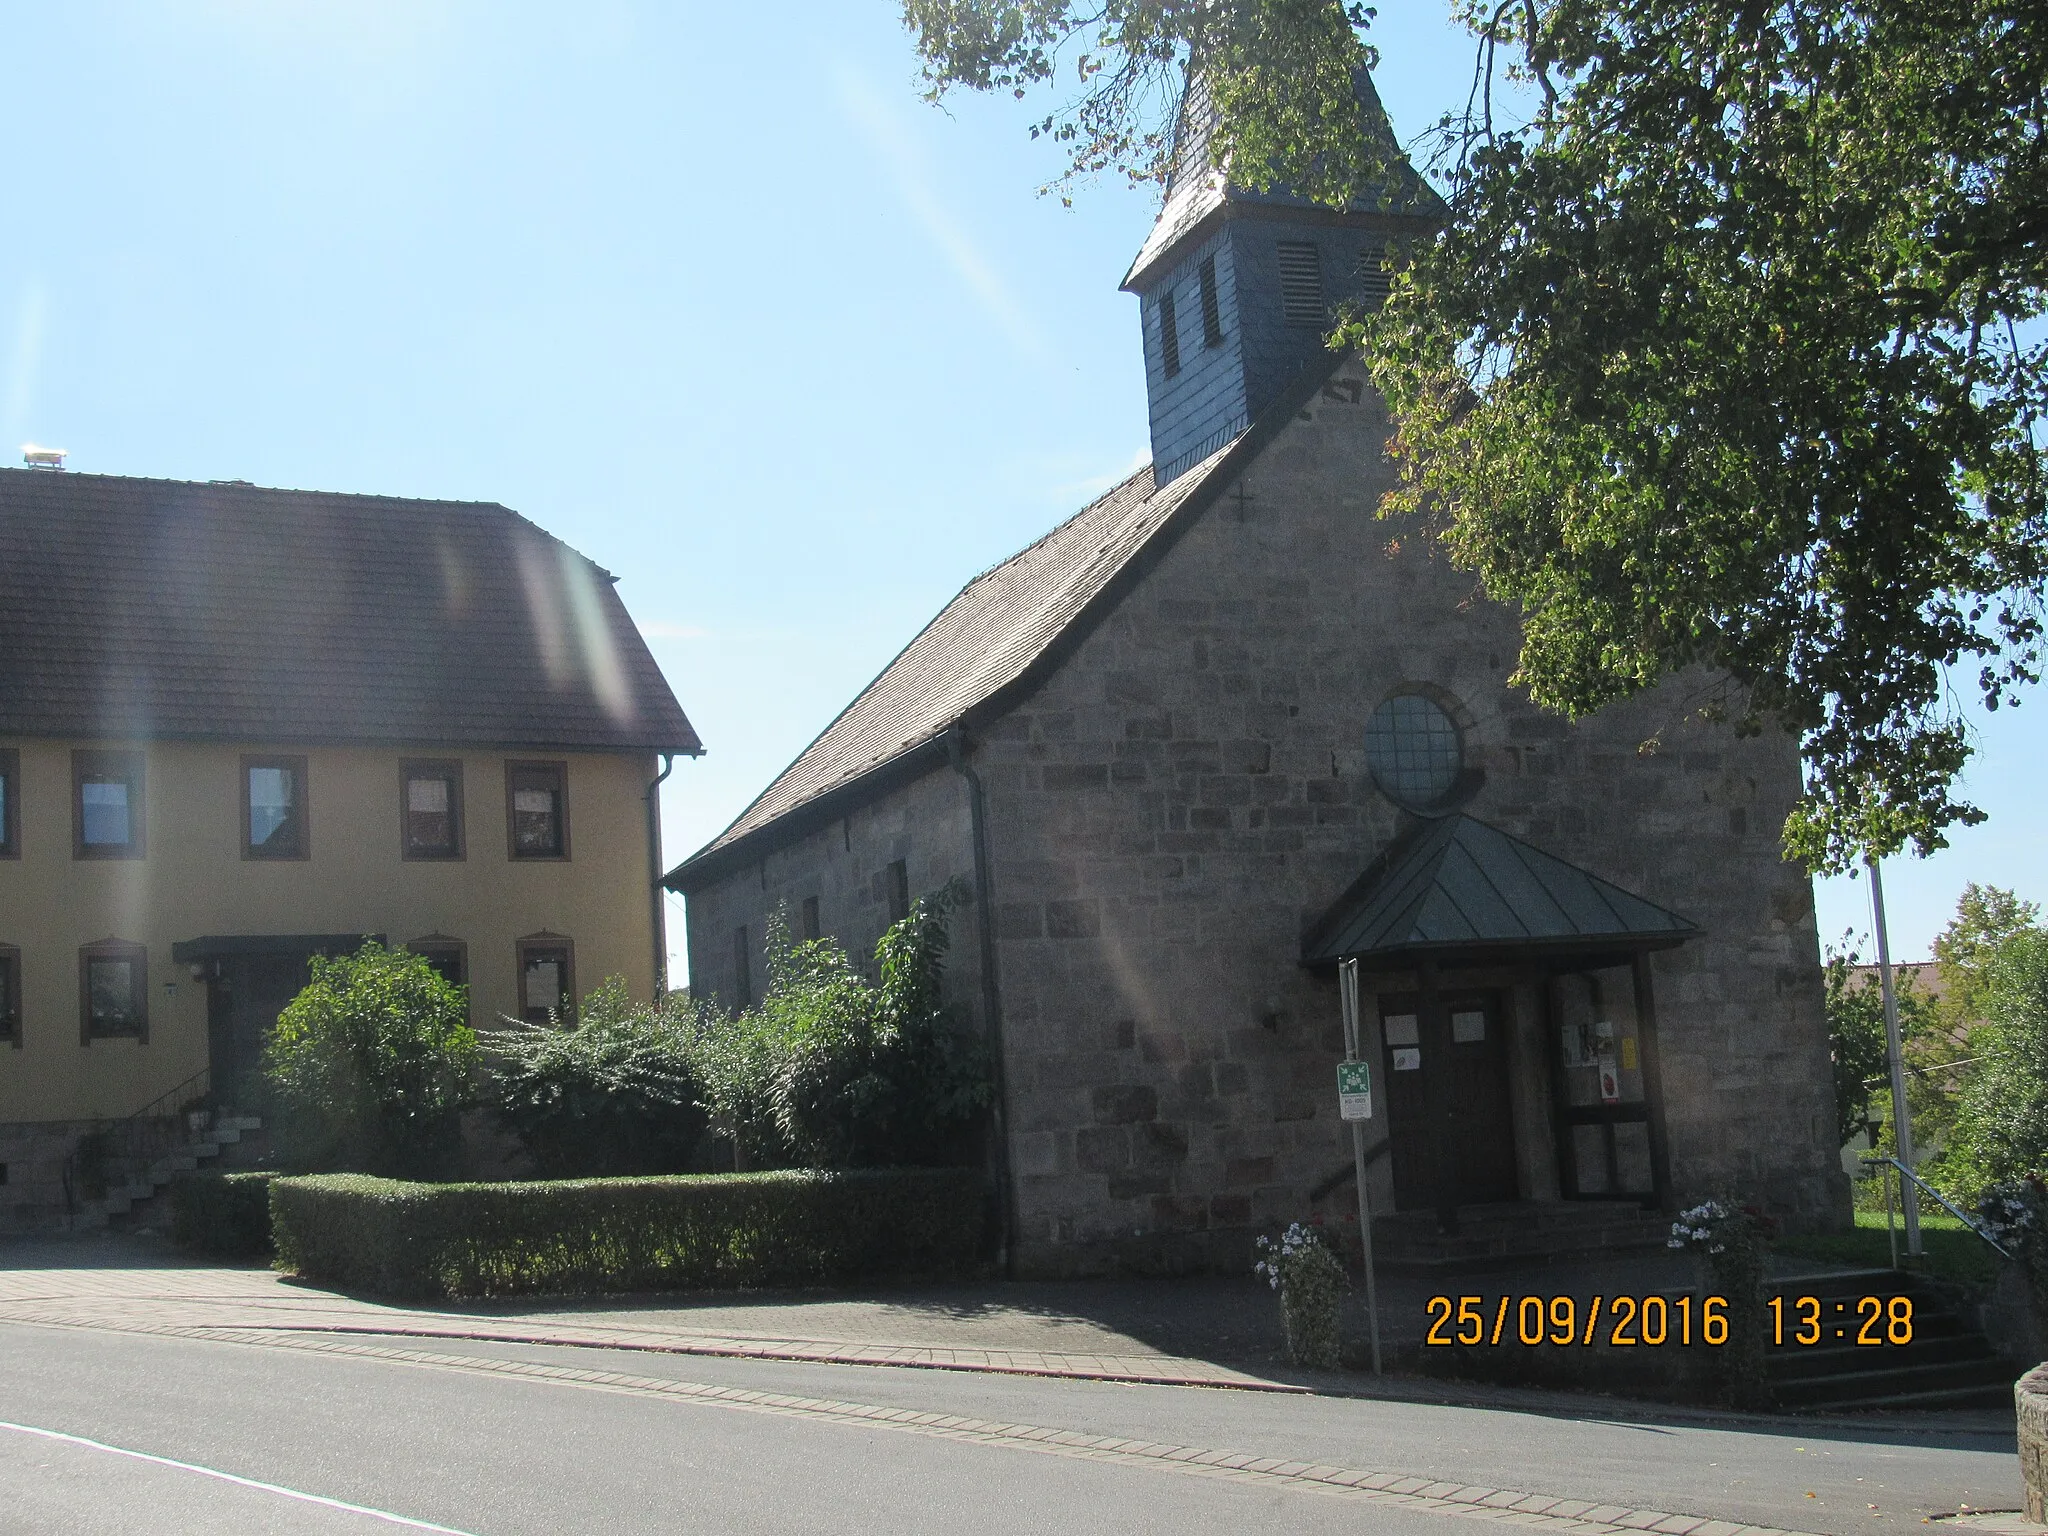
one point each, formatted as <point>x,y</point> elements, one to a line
<point>1464,1070</point>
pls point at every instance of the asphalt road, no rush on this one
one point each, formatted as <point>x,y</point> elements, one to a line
<point>120,1433</point>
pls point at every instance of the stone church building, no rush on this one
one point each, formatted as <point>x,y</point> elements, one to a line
<point>1224,728</point>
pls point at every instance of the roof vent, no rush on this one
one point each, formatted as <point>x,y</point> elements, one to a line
<point>42,458</point>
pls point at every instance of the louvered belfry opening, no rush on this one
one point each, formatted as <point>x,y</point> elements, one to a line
<point>1301,283</point>
<point>1169,334</point>
<point>1375,282</point>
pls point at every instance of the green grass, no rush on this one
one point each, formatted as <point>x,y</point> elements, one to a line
<point>1953,1252</point>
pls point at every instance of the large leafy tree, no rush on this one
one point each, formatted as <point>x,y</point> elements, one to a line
<point>1721,368</point>
<point>1279,72</point>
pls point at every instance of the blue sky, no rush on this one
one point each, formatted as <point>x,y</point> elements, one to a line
<point>705,290</point>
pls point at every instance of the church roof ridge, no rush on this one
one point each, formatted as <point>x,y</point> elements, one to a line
<point>1010,623</point>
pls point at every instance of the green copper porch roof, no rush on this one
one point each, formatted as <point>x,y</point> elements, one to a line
<point>1458,884</point>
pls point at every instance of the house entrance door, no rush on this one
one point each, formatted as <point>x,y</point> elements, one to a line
<point>244,996</point>
<point>1452,1069</point>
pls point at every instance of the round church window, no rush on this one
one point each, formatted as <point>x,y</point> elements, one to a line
<point>1414,750</point>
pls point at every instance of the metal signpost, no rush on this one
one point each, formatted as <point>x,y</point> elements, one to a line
<point>1354,1102</point>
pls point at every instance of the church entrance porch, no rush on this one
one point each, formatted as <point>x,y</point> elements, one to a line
<point>1513,1020</point>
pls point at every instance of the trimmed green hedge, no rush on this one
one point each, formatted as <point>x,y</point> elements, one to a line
<point>671,1233</point>
<point>222,1213</point>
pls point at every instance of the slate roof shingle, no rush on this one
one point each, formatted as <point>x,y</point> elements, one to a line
<point>159,609</point>
<point>1196,190</point>
<point>982,641</point>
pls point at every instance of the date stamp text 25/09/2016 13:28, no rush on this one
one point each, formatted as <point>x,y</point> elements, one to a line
<point>1654,1321</point>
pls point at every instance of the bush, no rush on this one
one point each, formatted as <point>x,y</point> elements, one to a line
<point>1310,1280</point>
<point>2015,1211</point>
<point>735,1059</point>
<point>227,1214</point>
<point>569,1237</point>
<point>832,1070</point>
<point>370,1064</point>
<point>1732,1237</point>
<point>2001,1129</point>
<point>614,1095</point>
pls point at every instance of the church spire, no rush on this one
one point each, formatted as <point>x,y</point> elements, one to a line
<point>1236,287</point>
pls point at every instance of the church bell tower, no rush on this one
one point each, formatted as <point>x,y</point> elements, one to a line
<point>1237,289</point>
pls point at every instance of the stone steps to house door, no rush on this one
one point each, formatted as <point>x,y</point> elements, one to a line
<point>125,1199</point>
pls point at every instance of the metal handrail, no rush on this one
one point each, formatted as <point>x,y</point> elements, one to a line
<point>1924,1187</point>
<point>1339,1177</point>
<point>171,1100</point>
<point>122,1133</point>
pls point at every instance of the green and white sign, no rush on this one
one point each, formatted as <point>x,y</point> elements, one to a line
<point>1354,1090</point>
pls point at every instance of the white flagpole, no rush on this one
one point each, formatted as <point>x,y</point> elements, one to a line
<point>1902,1122</point>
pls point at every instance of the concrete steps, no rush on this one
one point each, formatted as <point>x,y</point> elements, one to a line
<point>1513,1235</point>
<point>128,1197</point>
<point>1948,1364</point>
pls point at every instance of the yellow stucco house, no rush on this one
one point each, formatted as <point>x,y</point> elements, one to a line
<point>240,727</point>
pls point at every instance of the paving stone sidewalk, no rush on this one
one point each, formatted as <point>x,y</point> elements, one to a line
<point>1211,1332</point>
<point>139,1284</point>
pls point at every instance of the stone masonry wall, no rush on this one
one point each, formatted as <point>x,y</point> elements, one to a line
<point>32,1158</point>
<point>1189,792</point>
<point>845,864</point>
<point>2030,1395</point>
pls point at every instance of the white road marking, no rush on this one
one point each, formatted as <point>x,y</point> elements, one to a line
<point>229,1477</point>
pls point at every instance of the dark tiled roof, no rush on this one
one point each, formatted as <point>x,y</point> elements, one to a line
<point>154,608</point>
<point>1196,190</point>
<point>1461,884</point>
<point>984,640</point>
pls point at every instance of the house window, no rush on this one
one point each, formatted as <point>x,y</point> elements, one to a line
<point>10,995</point>
<point>1212,312</point>
<point>810,917</point>
<point>547,978</point>
<point>1169,334</point>
<point>113,991</point>
<point>898,877</point>
<point>430,802</point>
<point>449,957</point>
<point>274,808</point>
<point>10,803</point>
<point>1301,282</point>
<point>106,805</point>
<point>742,969</point>
<point>537,810</point>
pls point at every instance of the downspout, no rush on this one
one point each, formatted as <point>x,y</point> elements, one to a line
<point>991,995</point>
<point>668,764</point>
